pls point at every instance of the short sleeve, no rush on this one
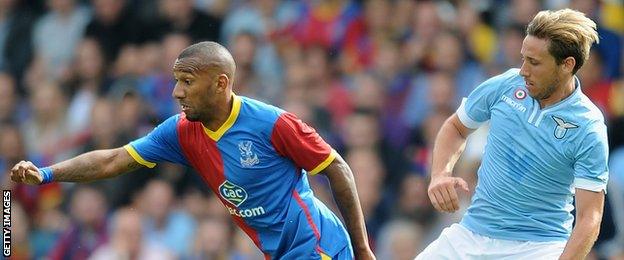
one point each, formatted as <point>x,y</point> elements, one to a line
<point>590,169</point>
<point>476,108</point>
<point>161,144</point>
<point>294,139</point>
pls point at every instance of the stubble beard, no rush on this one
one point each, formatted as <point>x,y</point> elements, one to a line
<point>192,118</point>
<point>549,90</point>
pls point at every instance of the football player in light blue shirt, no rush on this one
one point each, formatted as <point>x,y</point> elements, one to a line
<point>547,144</point>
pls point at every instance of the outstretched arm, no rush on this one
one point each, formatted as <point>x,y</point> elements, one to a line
<point>95,165</point>
<point>449,145</point>
<point>345,194</point>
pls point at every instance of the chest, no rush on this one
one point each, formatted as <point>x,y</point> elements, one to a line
<point>240,156</point>
<point>547,135</point>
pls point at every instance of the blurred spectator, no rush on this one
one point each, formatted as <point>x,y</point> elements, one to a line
<point>613,248</point>
<point>45,131</point>
<point>8,99</point>
<point>399,240</point>
<point>127,240</point>
<point>20,232</point>
<point>480,38</point>
<point>88,82</point>
<point>49,223</point>
<point>361,131</point>
<point>156,86</point>
<point>327,23</point>
<point>369,175</point>
<point>522,11</point>
<point>264,21</point>
<point>11,151</point>
<point>596,85</point>
<point>103,133</point>
<point>326,92</point>
<point>87,229</point>
<point>182,17</point>
<point>510,42</point>
<point>216,7</point>
<point>211,240</point>
<point>113,26</point>
<point>446,56</point>
<point>248,82</point>
<point>611,45</point>
<point>16,50</point>
<point>163,224</point>
<point>57,34</point>
<point>365,90</point>
<point>412,202</point>
<point>131,117</point>
<point>243,248</point>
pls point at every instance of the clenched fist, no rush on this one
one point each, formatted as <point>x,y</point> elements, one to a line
<point>443,195</point>
<point>26,172</point>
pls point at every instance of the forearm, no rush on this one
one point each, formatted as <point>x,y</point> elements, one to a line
<point>448,147</point>
<point>582,239</point>
<point>95,165</point>
<point>345,194</point>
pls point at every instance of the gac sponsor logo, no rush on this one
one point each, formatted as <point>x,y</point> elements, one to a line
<point>246,213</point>
<point>232,193</point>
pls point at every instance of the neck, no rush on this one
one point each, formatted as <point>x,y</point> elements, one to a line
<point>222,112</point>
<point>565,89</point>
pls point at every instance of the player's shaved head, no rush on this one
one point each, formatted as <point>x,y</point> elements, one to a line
<point>206,56</point>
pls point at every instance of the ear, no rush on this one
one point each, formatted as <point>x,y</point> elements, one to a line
<point>222,82</point>
<point>568,64</point>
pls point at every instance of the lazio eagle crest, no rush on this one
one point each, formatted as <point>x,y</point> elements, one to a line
<point>562,127</point>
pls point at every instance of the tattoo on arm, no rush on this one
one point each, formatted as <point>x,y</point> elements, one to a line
<point>95,165</point>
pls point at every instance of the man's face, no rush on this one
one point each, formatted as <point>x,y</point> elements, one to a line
<point>196,93</point>
<point>539,69</point>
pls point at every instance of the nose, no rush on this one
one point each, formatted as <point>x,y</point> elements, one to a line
<point>524,72</point>
<point>178,92</point>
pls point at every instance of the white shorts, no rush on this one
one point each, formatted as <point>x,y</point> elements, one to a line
<point>457,242</point>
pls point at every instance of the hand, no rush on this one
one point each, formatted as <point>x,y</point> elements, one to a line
<point>26,172</point>
<point>364,254</point>
<point>443,195</point>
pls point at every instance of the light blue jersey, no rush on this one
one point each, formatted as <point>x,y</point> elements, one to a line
<point>533,160</point>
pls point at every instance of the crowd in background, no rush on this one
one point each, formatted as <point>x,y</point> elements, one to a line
<point>376,79</point>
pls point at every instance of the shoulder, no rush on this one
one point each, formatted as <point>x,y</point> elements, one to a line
<point>589,117</point>
<point>587,111</point>
<point>509,78</point>
<point>259,111</point>
<point>172,121</point>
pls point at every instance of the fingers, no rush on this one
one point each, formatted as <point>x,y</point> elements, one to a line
<point>446,204</point>
<point>21,170</point>
<point>462,183</point>
<point>443,195</point>
<point>436,199</point>
<point>453,199</point>
<point>18,172</point>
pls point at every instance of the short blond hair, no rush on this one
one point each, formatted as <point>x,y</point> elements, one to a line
<point>569,32</point>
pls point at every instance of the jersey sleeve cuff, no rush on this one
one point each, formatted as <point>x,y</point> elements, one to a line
<point>590,185</point>
<point>324,164</point>
<point>137,157</point>
<point>464,118</point>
